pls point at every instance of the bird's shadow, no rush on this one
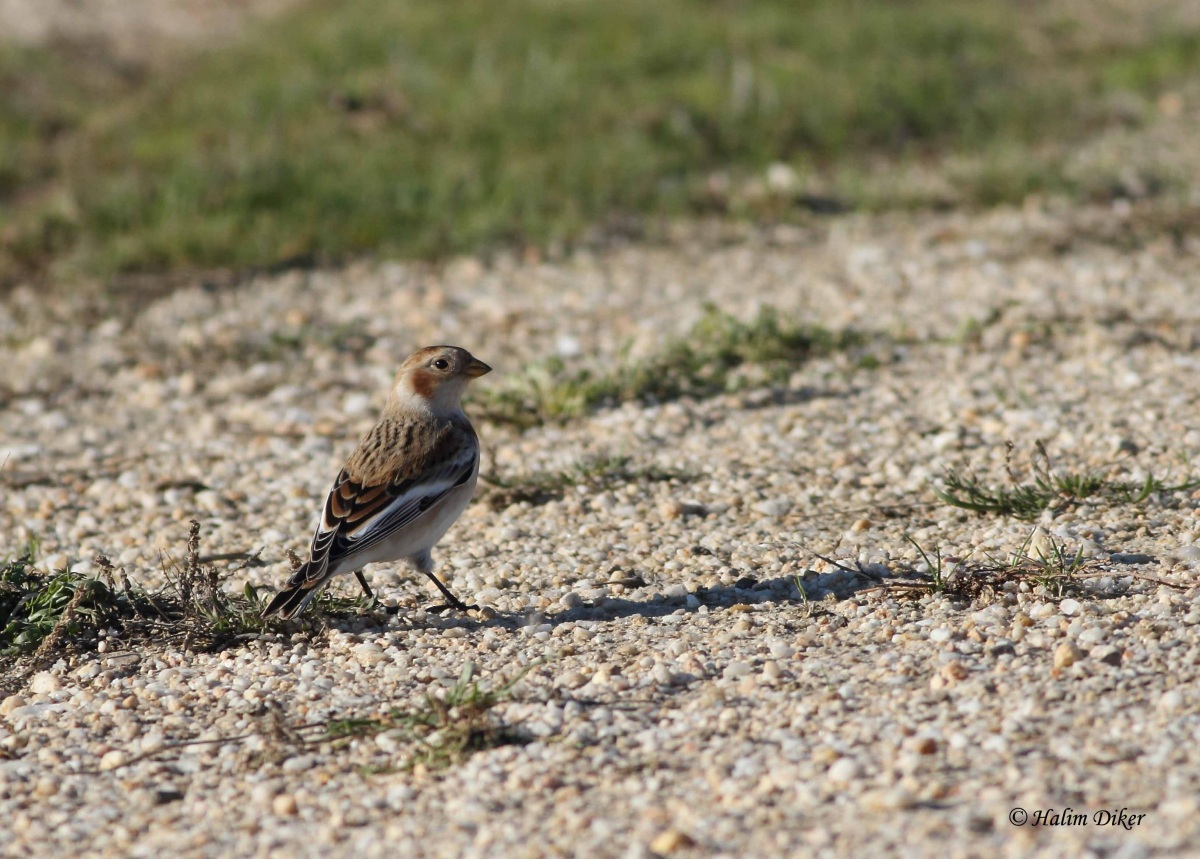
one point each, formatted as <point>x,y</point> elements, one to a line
<point>777,591</point>
<point>786,396</point>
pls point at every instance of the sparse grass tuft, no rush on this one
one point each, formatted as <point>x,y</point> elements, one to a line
<point>202,597</point>
<point>936,571</point>
<point>1048,487</point>
<point>44,613</point>
<point>596,473</point>
<point>34,605</point>
<point>1046,566</point>
<point>1047,563</point>
<point>803,596</point>
<point>198,588</point>
<point>446,730</point>
<point>719,354</point>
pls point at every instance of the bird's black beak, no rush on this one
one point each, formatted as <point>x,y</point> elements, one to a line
<point>476,369</point>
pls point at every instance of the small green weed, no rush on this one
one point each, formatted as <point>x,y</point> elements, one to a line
<point>200,595</point>
<point>720,353</point>
<point>446,730</point>
<point>805,600</point>
<point>597,473</point>
<point>34,605</point>
<point>1047,563</point>
<point>957,577</point>
<point>1048,487</point>
<point>44,612</point>
<point>1043,564</point>
<point>936,574</point>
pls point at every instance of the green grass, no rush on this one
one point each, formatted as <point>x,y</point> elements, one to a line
<point>1048,566</point>
<point>64,610</point>
<point>426,129</point>
<point>596,473</point>
<point>444,731</point>
<point>33,604</point>
<point>721,353</point>
<point>1047,486</point>
<point>937,570</point>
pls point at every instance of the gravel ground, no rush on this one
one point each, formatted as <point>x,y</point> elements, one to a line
<point>702,706</point>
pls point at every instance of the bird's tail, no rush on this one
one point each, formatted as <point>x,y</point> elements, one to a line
<point>298,593</point>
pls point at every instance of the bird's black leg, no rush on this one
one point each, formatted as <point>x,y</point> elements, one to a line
<point>423,562</point>
<point>390,609</point>
<point>451,600</point>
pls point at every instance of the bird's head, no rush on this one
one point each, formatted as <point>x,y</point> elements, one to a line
<point>436,376</point>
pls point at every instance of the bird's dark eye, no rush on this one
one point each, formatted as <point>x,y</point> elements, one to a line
<point>441,363</point>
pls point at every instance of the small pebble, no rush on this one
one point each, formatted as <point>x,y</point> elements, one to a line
<point>1171,702</point>
<point>894,799</point>
<point>774,507</point>
<point>670,841</point>
<point>1066,654</point>
<point>113,759</point>
<point>736,669</point>
<point>369,654</point>
<point>44,683</point>
<point>671,510</point>
<point>845,770</point>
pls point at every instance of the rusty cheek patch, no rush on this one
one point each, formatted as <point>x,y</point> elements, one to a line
<point>423,383</point>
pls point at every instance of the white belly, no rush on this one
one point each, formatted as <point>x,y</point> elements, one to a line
<point>418,536</point>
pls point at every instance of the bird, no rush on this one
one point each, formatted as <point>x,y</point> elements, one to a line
<point>402,488</point>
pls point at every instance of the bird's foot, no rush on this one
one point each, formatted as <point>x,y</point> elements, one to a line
<point>457,606</point>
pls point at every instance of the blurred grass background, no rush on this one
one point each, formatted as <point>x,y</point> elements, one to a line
<point>423,129</point>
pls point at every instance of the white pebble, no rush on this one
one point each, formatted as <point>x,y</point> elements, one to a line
<point>570,600</point>
<point>845,770</point>
<point>43,683</point>
<point>113,759</point>
<point>1171,702</point>
<point>781,649</point>
<point>736,669</point>
<point>774,507</point>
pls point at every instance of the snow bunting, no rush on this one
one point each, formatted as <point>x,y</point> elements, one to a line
<point>402,488</point>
